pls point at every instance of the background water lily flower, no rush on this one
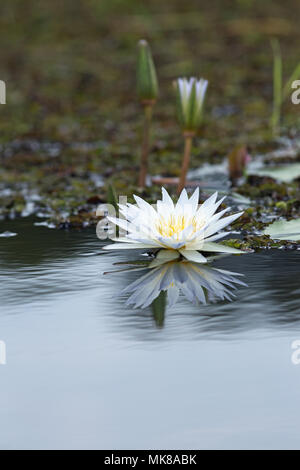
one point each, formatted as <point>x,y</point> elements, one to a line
<point>190,99</point>
<point>184,228</point>
<point>199,284</point>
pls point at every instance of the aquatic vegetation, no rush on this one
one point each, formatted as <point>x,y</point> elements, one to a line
<point>176,229</point>
<point>190,95</point>
<point>147,88</point>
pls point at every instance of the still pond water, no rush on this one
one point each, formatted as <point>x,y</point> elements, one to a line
<point>84,370</point>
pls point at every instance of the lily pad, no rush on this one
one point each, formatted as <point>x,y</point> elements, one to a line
<point>284,173</point>
<point>284,230</point>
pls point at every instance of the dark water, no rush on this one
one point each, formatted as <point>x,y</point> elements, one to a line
<point>86,371</point>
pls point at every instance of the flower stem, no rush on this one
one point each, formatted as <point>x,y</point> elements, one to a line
<point>145,145</point>
<point>188,140</point>
<point>277,87</point>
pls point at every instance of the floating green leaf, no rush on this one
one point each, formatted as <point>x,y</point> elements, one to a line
<point>284,230</point>
<point>284,173</point>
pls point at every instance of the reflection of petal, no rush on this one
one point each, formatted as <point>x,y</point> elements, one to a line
<point>180,272</point>
<point>173,294</point>
<point>199,283</point>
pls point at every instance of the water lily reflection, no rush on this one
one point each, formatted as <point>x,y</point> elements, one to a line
<point>198,283</point>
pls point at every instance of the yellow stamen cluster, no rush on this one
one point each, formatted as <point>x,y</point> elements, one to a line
<point>174,225</point>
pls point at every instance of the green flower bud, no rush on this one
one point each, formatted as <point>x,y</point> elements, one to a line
<point>147,85</point>
<point>190,96</point>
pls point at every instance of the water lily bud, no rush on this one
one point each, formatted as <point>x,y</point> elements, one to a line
<point>190,99</point>
<point>147,85</point>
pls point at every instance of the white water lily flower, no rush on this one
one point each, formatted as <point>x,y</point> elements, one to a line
<point>178,229</point>
<point>190,99</point>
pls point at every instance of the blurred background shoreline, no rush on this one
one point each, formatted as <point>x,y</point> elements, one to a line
<point>72,122</point>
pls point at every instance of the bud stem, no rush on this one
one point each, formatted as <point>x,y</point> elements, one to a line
<point>188,140</point>
<point>145,145</point>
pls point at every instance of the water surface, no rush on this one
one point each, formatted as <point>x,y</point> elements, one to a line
<point>86,371</point>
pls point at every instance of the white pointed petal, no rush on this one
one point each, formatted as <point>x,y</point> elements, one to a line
<point>194,200</point>
<point>217,236</point>
<point>169,243</point>
<point>128,246</point>
<point>183,199</point>
<point>126,240</point>
<point>163,209</point>
<point>195,242</point>
<point>218,215</point>
<point>166,199</point>
<point>124,224</point>
<point>218,247</point>
<point>145,206</point>
<point>129,210</point>
<point>194,246</point>
<point>215,227</point>
<point>210,200</point>
<point>184,234</point>
<point>144,241</point>
<point>192,255</point>
<point>209,207</point>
